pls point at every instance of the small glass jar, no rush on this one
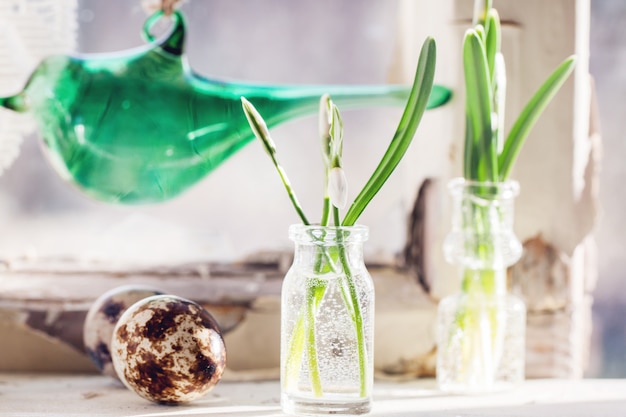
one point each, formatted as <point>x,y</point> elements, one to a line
<point>481,329</point>
<point>327,323</point>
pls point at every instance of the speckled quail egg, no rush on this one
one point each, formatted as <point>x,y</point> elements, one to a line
<point>102,318</point>
<point>168,349</point>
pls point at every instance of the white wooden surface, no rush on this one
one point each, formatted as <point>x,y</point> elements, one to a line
<point>24,395</point>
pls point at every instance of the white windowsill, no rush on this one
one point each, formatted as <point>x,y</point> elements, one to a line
<point>86,395</point>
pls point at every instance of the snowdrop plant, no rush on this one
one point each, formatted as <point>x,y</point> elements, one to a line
<point>488,154</point>
<point>472,339</point>
<point>302,346</point>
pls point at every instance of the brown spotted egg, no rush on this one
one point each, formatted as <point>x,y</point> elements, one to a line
<point>168,349</point>
<point>102,318</point>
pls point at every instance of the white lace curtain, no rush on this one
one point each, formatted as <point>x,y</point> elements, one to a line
<point>29,31</point>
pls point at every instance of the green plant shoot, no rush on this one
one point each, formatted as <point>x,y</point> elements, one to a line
<point>303,338</point>
<point>488,155</point>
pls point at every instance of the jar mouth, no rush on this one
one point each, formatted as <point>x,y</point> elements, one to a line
<point>504,189</point>
<point>328,234</point>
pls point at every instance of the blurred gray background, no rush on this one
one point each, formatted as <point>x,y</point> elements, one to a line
<point>608,67</point>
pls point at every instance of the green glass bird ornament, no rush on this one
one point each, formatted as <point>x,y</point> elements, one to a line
<point>141,126</point>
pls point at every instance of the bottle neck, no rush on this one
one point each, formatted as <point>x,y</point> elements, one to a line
<point>327,249</point>
<point>482,235</point>
<point>476,213</point>
<point>328,258</point>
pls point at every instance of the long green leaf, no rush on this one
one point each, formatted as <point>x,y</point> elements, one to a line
<point>529,115</point>
<point>493,39</point>
<point>418,99</point>
<point>478,104</point>
<point>470,154</point>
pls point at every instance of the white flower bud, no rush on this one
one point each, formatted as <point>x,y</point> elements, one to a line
<point>257,124</point>
<point>495,122</point>
<point>324,116</point>
<point>338,187</point>
<point>337,129</point>
<point>324,127</point>
<point>500,97</point>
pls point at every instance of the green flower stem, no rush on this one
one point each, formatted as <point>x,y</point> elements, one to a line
<point>481,286</point>
<point>357,318</point>
<point>325,206</point>
<point>480,325</point>
<point>304,330</point>
<point>314,293</point>
<point>345,266</point>
<point>295,351</point>
<point>312,297</point>
<point>258,126</point>
<point>355,311</point>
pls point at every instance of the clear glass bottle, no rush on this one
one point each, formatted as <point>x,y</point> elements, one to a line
<point>481,329</point>
<point>327,323</point>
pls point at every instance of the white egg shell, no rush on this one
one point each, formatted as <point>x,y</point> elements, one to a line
<point>102,318</point>
<point>168,349</point>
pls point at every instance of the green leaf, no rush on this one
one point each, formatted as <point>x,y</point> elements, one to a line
<point>479,139</point>
<point>415,107</point>
<point>493,40</point>
<point>470,154</point>
<point>480,30</point>
<point>529,115</point>
<point>336,134</point>
<point>324,120</point>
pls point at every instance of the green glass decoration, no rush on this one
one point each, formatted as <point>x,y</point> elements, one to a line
<point>141,126</point>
